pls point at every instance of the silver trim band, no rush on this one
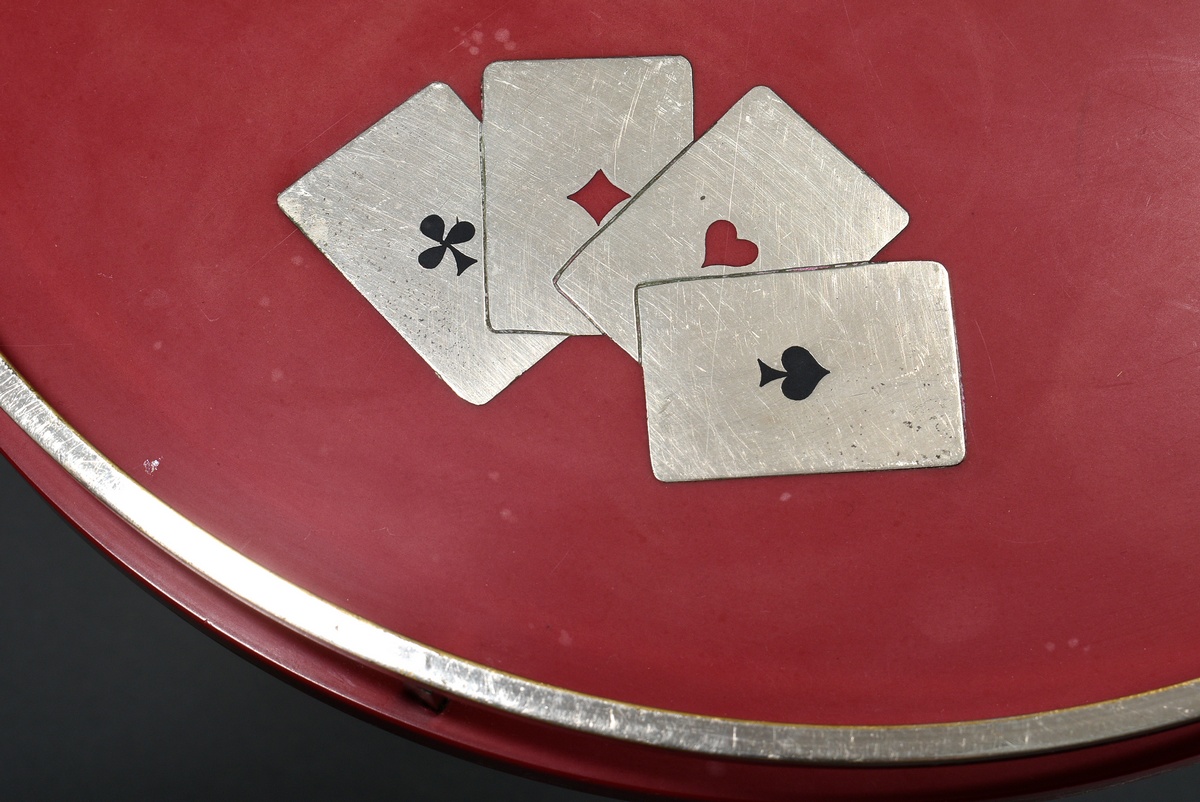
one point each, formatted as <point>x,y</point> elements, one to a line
<point>340,629</point>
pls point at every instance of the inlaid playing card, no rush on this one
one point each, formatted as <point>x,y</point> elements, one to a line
<point>566,143</point>
<point>849,368</point>
<point>399,212</point>
<point>761,190</point>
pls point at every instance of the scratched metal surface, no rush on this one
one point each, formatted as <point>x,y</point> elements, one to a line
<point>363,207</point>
<point>764,169</point>
<point>548,126</point>
<point>339,629</point>
<point>884,332</point>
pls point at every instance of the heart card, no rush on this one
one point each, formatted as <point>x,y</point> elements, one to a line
<point>761,190</point>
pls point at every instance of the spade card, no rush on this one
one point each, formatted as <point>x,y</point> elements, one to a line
<point>565,144</point>
<point>761,190</point>
<point>399,212</point>
<point>849,368</point>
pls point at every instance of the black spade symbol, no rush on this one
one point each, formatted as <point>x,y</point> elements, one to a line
<point>801,373</point>
<point>434,227</point>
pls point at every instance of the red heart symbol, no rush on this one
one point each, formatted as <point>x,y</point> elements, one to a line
<point>722,246</point>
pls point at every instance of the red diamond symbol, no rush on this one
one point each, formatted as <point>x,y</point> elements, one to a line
<point>598,196</point>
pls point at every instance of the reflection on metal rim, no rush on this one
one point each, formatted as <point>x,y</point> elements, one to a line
<point>720,737</point>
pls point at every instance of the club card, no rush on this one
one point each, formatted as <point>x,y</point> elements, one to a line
<point>849,368</point>
<point>565,143</point>
<point>761,190</point>
<point>399,212</point>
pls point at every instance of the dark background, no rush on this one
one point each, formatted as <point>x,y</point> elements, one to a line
<point>106,694</point>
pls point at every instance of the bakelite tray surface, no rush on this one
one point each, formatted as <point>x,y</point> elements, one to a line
<point>157,298</point>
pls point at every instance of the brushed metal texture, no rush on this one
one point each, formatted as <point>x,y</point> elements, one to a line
<point>548,126</point>
<point>892,396</point>
<point>364,207</point>
<point>762,168</point>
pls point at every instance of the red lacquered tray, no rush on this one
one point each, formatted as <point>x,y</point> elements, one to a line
<point>163,306</point>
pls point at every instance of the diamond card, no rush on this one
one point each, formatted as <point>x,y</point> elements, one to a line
<point>849,368</point>
<point>399,212</point>
<point>566,142</point>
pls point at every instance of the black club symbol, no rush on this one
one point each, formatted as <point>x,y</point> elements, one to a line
<point>434,227</point>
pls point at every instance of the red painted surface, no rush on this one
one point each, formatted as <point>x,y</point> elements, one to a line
<point>599,196</point>
<point>722,246</point>
<point>1048,156</point>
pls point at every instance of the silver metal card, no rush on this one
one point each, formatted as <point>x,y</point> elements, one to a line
<point>761,190</point>
<point>399,211</point>
<point>565,143</point>
<point>849,368</point>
